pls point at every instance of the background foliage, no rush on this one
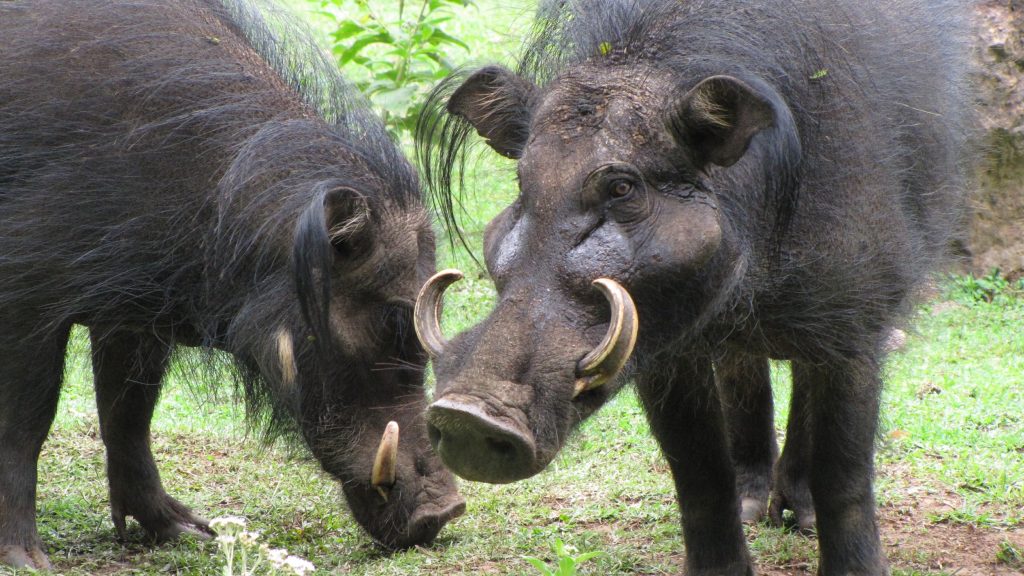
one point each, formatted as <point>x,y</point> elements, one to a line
<point>394,51</point>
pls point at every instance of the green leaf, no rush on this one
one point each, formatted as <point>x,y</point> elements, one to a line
<point>449,39</point>
<point>539,565</point>
<point>378,85</point>
<point>361,43</point>
<point>346,29</point>
<point>396,99</point>
<point>819,74</point>
<point>605,48</point>
<point>325,14</point>
<point>444,65</point>
<point>587,556</point>
<point>438,20</point>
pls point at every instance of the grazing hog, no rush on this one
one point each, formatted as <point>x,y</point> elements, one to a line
<point>740,181</point>
<point>177,172</point>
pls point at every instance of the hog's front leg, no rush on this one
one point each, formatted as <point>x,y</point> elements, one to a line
<point>686,418</point>
<point>128,368</point>
<point>843,402</point>
<point>792,488</point>
<point>745,389</point>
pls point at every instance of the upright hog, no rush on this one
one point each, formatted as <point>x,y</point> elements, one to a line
<point>740,181</point>
<point>196,172</point>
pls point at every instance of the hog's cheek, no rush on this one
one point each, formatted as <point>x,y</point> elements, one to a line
<point>507,252</point>
<point>685,235</point>
<point>607,252</point>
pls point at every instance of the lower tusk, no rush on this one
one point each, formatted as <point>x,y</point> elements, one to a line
<point>383,477</point>
<point>584,384</point>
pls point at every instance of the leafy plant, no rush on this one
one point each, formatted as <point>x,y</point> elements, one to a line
<point>401,53</point>
<point>989,288</point>
<point>567,563</point>
<point>1010,555</point>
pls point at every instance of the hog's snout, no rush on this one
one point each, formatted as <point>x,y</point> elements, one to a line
<point>479,447</point>
<point>428,521</point>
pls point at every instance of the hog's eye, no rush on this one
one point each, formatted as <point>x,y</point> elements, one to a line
<point>620,188</point>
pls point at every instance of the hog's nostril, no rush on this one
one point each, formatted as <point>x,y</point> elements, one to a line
<point>502,447</point>
<point>434,434</point>
<point>478,446</point>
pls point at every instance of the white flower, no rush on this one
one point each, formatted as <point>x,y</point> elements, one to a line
<point>248,538</point>
<point>225,539</point>
<point>228,524</point>
<point>299,566</point>
<point>276,556</point>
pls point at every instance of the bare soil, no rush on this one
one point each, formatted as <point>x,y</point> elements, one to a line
<point>917,541</point>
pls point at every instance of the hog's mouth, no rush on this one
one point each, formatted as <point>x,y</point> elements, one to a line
<point>425,523</point>
<point>401,506</point>
<point>413,515</point>
<point>489,441</point>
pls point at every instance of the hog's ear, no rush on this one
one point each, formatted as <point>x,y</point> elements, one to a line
<point>347,220</point>
<point>497,103</point>
<point>716,119</point>
<point>334,224</point>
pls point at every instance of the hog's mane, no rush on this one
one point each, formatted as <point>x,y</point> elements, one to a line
<point>136,177</point>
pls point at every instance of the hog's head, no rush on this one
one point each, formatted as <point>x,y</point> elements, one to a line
<point>328,332</point>
<point>619,239</point>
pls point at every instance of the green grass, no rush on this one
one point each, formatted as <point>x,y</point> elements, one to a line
<point>608,491</point>
<point>955,406</point>
<point>951,453</point>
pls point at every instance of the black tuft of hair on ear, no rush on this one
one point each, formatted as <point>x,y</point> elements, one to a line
<point>492,101</point>
<point>328,229</point>
<point>497,103</point>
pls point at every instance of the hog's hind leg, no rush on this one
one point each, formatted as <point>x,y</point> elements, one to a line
<point>128,368</point>
<point>31,368</point>
<point>744,385</point>
<point>843,404</point>
<point>792,488</point>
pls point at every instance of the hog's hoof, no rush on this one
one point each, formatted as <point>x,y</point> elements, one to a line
<point>795,497</point>
<point>162,518</point>
<point>752,510</point>
<point>737,569</point>
<point>753,485</point>
<point>24,557</point>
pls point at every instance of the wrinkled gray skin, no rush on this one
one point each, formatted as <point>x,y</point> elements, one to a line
<point>752,208</point>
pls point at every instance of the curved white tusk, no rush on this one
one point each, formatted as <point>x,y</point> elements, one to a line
<point>383,476</point>
<point>427,314</point>
<point>606,360</point>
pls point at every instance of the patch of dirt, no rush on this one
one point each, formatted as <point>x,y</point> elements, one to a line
<point>914,540</point>
<point>945,306</point>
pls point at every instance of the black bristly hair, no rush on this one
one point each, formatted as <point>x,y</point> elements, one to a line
<point>176,184</point>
